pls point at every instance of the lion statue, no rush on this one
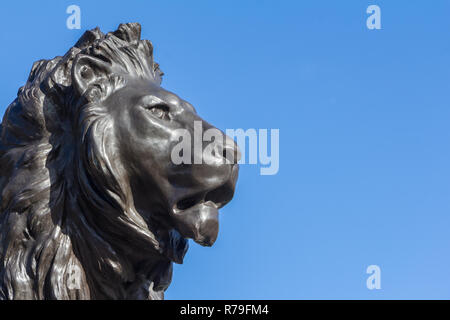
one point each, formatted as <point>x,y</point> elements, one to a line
<point>91,205</point>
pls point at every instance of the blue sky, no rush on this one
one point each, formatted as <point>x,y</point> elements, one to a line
<point>364,134</point>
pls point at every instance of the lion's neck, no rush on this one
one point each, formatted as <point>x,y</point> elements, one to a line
<point>111,267</point>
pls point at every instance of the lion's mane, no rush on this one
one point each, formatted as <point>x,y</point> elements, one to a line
<point>65,218</point>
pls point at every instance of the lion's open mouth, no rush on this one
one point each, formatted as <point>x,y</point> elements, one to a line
<point>197,216</point>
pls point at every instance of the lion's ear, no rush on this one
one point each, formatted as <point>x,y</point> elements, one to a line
<point>88,71</point>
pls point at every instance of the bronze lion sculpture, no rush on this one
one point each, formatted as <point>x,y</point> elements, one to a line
<point>91,205</point>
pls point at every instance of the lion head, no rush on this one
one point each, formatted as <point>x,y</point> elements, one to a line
<point>91,205</point>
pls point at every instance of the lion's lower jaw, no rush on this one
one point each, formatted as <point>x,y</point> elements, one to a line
<point>199,222</point>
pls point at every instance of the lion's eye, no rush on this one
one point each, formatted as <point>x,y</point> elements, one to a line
<point>160,111</point>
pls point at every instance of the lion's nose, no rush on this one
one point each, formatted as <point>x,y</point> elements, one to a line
<point>231,150</point>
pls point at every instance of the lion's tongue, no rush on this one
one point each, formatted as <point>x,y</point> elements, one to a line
<point>200,222</point>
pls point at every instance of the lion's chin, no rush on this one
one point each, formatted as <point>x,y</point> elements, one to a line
<point>199,222</point>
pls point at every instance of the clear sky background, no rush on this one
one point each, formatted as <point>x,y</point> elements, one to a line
<point>364,134</point>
